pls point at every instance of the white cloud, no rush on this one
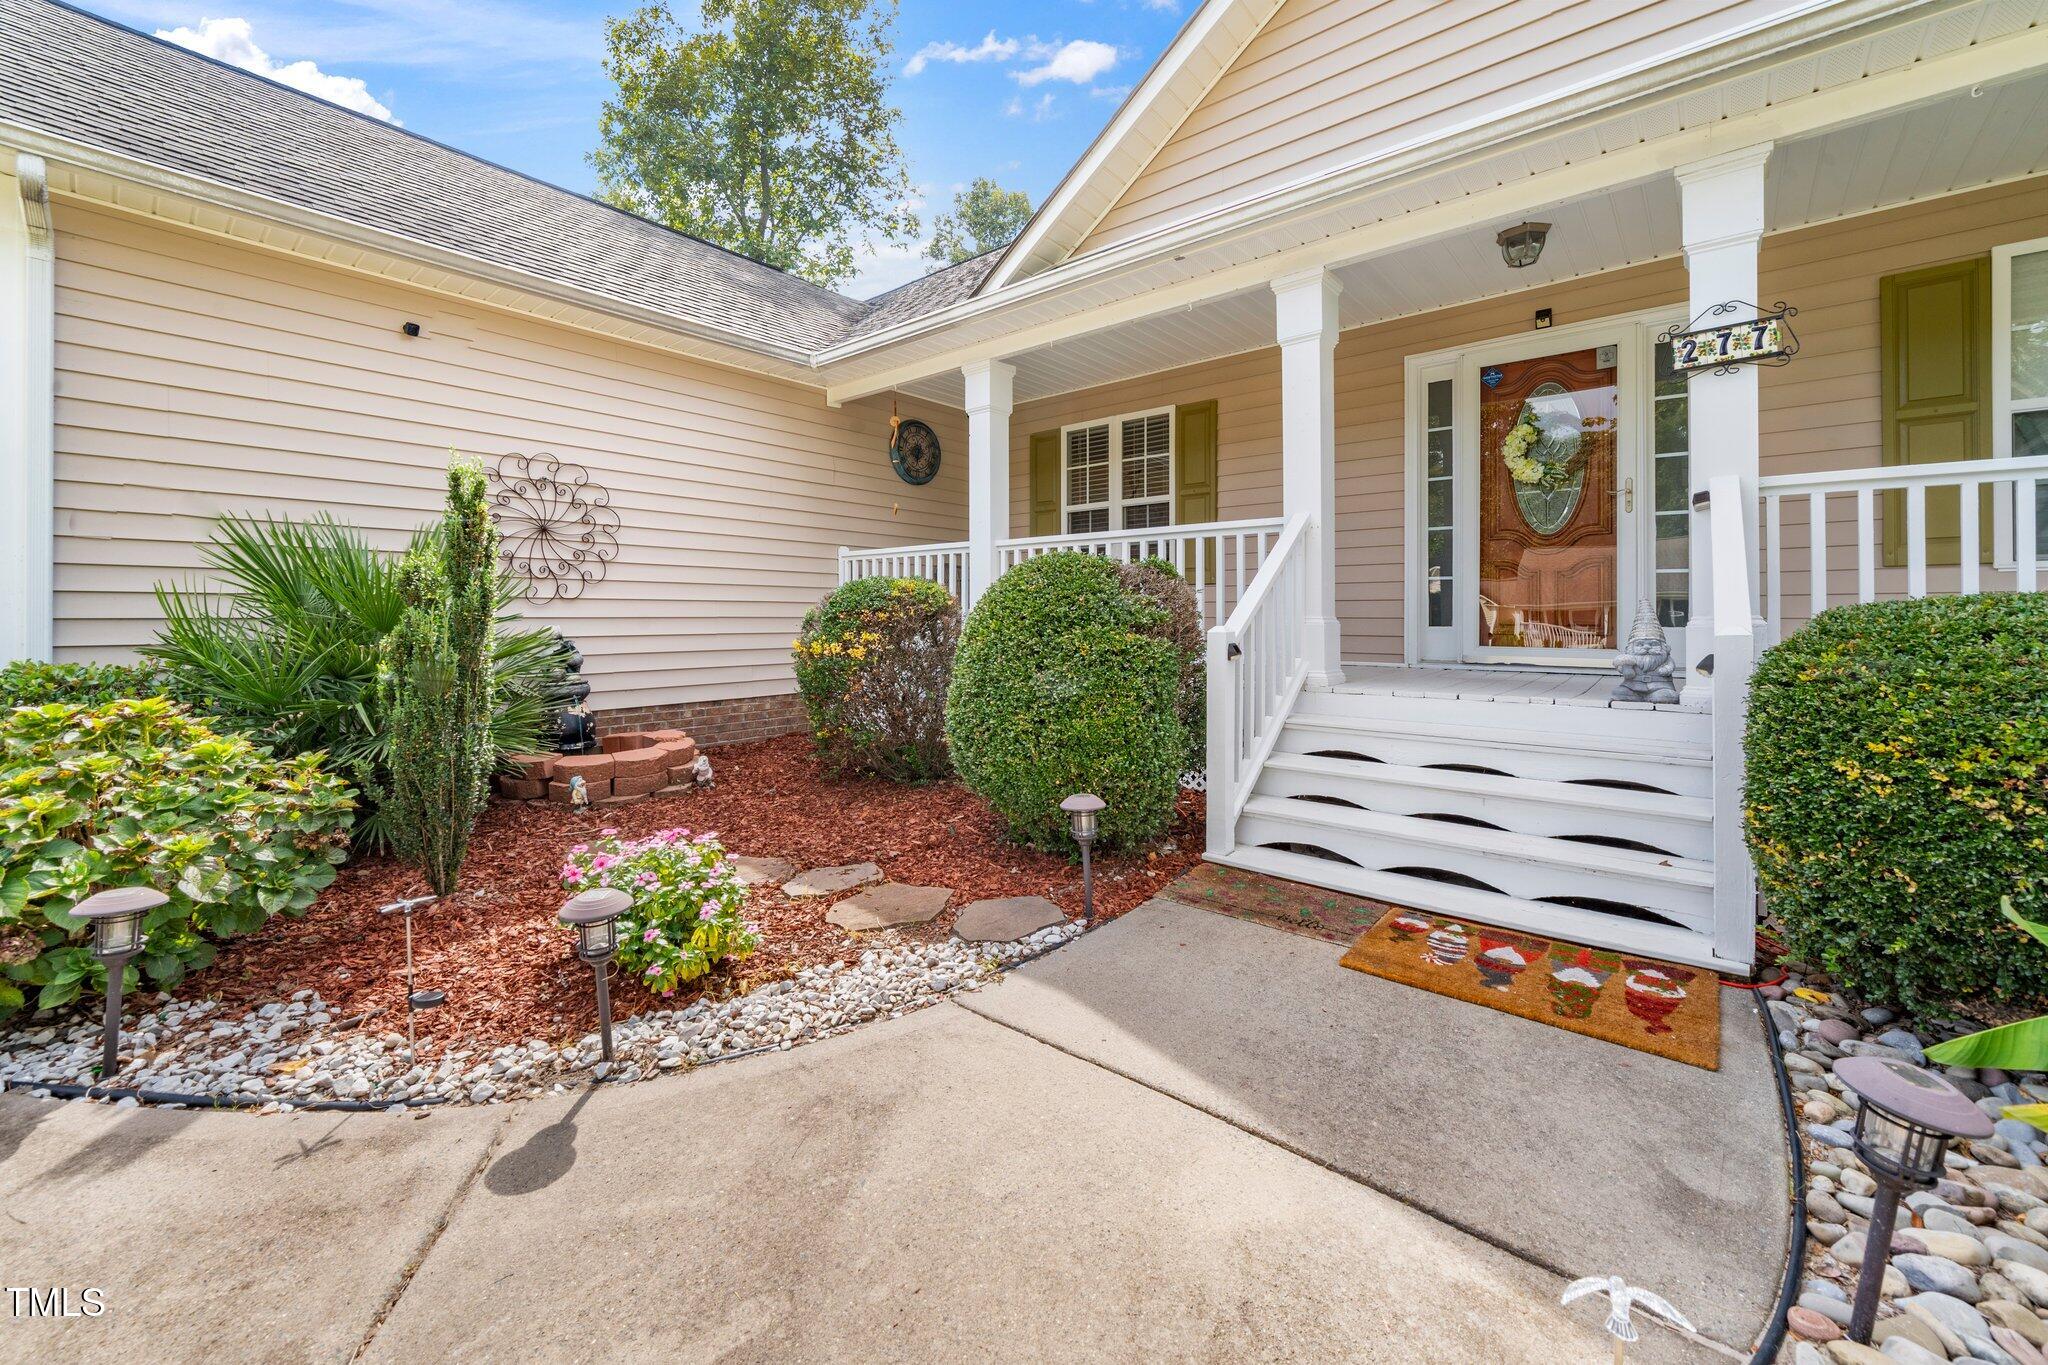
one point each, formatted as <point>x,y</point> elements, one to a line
<point>1079,61</point>
<point>990,48</point>
<point>1038,111</point>
<point>233,42</point>
<point>1164,6</point>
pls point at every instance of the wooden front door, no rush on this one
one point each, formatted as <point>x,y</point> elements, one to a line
<point>1548,533</point>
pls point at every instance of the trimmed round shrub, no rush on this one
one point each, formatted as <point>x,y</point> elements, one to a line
<point>1898,786</point>
<point>29,683</point>
<point>1069,678</point>
<point>873,662</point>
<point>140,793</point>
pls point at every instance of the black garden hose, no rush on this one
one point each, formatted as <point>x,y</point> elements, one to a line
<point>118,1092</point>
<point>1795,1263</point>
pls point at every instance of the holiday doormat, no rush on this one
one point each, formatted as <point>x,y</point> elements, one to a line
<point>1655,1007</point>
<point>1293,906</point>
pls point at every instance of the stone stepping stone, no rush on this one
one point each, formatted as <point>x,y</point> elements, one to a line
<point>889,905</point>
<point>828,881</point>
<point>1007,920</point>
<point>762,871</point>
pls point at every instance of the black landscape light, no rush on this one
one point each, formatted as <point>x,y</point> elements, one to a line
<point>116,918</point>
<point>1084,817</point>
<point>415,999</point>
<point>594,915</point>
<point>1904,1124</point>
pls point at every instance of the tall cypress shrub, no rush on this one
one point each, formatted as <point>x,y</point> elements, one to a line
<point>437,686</point>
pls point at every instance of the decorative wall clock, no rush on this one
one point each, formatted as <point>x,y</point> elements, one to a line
<point>913,450</point>
<point>558,529</point>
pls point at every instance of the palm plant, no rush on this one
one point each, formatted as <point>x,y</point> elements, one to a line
<point>288,646</point>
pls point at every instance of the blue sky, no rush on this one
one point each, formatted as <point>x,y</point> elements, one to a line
<point>1013,90</point>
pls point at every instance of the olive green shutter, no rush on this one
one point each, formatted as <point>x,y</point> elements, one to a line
<point>1045,483</point>
<point>1194,454</point>
<point>1935,333</point>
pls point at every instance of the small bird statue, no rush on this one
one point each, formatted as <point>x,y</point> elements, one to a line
<point>1621,1298</point>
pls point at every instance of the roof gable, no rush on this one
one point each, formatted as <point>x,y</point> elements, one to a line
<point>1316,87</point>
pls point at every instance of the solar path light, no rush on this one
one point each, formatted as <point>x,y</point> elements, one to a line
<point>594,915</point>
<point>415,999</point>
<point>1084,817</point>
<point>1903,1127</point>
<point>116,917</point>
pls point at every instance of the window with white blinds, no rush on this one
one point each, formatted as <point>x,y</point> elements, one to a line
<point>1118,473</point>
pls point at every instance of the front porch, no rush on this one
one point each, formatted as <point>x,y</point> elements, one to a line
<point>1411,640</point>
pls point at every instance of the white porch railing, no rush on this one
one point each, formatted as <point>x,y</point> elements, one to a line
<point>944,564</point>
<point>1219,559</point>
<point>1258,661</point>
<point>1808,579</point>
<point>1735,647</point>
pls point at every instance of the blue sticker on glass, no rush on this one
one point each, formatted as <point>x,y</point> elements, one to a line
<point>1491,378</point>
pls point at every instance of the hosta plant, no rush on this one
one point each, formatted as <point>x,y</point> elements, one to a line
<point>141,793</point>
<point>687,903</point>
<point>2013,1047</point>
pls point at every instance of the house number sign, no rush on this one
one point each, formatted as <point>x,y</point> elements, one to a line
<point>1709,342</point>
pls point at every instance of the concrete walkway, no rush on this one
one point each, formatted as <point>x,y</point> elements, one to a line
<point>946,1185</point>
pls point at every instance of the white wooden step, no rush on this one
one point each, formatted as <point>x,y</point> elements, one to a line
<point>1680,825</point>
<point>1592,928</point>
<point>1526,866</point>
<point>1679,766</point>
<point>1532,712</point>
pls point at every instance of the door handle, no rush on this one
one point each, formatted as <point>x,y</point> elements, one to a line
<point>1628,495</point>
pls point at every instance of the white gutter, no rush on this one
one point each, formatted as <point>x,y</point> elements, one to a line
<point>221,195</point>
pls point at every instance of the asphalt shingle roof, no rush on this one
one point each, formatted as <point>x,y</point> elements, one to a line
<point>77,76</point>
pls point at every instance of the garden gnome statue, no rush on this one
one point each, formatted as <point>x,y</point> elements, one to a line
<point>1645,662</point>
<point>700,771</point>
<point>579,792</point>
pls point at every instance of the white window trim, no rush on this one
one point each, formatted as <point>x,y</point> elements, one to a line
<point>1116,467</point>
<point>2003,406</point>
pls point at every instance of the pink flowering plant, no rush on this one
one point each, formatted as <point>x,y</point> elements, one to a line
<point>687,901</point>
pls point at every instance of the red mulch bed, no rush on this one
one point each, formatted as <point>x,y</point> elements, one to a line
<point>497,951</point>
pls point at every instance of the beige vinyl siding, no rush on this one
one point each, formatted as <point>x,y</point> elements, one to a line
<point>1822,411</point>
<point>1328,83</point>
<point>196,377</point>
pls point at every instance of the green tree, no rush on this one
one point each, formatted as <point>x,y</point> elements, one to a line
<point>985,216</point>
<point>437,687</point>
<point>768,131</point>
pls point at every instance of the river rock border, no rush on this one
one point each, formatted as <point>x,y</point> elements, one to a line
<point>293,1053</point>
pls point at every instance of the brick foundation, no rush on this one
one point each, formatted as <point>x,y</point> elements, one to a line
<point>712,723</point>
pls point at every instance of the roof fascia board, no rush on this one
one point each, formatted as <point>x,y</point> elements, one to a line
<point>1201,29</point>
<point>1919,83</point>
<point>267,209</point>
<point>1438,153</point>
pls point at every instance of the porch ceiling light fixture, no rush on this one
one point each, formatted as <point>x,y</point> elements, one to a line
<point>1904,1124</point>
<point>594,916</point>
<point>1521,244</point>
<point>1084,818</point>
<point>116,917</point>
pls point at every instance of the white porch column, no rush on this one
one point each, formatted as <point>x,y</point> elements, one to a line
<point>990,384</point>
<point>1721,204</point>
<point>26,377</point>
<point>1305,316</point>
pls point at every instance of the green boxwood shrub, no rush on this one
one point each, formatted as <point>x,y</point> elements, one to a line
<point>1898,787</point>
<point>29,683</point>
<point>137,792</point>
<point>873,662</point>
<point>1070,678</point>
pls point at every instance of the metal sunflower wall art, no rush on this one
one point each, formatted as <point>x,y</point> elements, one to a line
<point>557,528</point>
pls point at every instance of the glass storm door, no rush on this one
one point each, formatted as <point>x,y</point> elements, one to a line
<point>1549,529</point>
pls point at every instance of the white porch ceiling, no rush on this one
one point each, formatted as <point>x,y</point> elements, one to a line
<point>1940,148</point>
